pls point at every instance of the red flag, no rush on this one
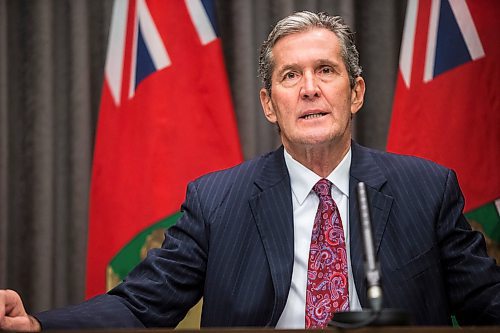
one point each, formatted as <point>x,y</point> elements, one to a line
<point>165,118</point>
<point>447,102</point>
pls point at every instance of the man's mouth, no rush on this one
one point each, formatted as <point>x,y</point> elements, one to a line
<point>313,115</point>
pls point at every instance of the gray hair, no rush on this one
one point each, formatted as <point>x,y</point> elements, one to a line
<point>303,21</point>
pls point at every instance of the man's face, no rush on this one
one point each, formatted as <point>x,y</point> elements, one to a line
<point>311,100</point>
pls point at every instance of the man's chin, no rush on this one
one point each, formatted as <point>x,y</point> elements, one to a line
<point>328,141</point>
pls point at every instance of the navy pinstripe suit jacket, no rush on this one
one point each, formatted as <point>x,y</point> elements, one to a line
<point>234,246</point>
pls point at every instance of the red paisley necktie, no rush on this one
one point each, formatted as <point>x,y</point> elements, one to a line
<point>327,284</point>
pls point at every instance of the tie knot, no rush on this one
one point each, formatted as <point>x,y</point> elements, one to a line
<point>323,187</point>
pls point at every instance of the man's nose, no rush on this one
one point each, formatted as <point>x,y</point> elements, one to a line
<point>310,86</point>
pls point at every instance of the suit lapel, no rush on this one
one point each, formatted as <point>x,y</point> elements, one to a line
<point>364,169</point>
<point>271,206</point>
<point>272,210</point>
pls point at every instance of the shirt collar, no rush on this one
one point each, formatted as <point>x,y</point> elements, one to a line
<point>302,179</point>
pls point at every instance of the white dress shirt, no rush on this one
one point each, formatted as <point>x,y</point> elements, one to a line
<point>305,204</point>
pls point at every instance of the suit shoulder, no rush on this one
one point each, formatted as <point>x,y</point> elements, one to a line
<point>393,164</point>
<point>240,176</point>
<point>246,168</point>
<point>226,187</point>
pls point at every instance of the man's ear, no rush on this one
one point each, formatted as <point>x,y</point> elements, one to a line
<point>267,105</point>
<point>357,95</point>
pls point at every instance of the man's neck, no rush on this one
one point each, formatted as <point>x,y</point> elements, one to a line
<point>321,159</point>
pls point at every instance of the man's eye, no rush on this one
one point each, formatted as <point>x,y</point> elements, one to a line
<point>290,76</point>
<point>326,70</point>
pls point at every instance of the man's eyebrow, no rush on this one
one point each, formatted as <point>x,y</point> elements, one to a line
<point>327,62</point>
<point>318,62</point>
<point>286,67</point>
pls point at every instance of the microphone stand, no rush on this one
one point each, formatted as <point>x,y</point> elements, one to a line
<point>375,315</point>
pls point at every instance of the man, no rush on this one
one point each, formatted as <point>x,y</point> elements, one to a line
<point>272,242</point>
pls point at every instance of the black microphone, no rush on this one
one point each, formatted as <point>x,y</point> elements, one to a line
<point>372,271</point>
<point>375,315</point>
